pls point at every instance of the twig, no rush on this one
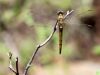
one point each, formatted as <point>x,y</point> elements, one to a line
<point>16,72</point>
<point>42,44</point>
<point>12,69</point>
<point>39,46</point>
<point>68,13</point>
<point>10,63</point>
<point>17,69</point>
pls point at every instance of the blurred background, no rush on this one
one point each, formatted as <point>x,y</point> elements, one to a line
<point>26,23</point>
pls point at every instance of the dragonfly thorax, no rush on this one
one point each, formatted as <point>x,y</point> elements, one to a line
<point>60,18</point>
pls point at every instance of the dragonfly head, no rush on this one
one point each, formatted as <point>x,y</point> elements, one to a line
<point>60,12</point>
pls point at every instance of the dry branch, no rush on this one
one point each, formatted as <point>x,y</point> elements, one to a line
<point>34,53</point>
<point>42,44</point>
<point>16,72</point>
<point>39,46</point>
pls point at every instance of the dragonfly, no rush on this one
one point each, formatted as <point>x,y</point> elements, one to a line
<point>60,23</point>
<point>60,26</point>
<point>80,27</point>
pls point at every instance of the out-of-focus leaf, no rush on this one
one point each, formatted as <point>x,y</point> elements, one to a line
<point>84,11</point>
<point>96,50</point>
<point>19,4</point>
<point>26,17</point>
<point>98,73</point>
<point>8,15</point>
<point>43,32</point>
<point>26,46</point>
<point>3,48</point>
<point>47,57</point>
<point>67,50</point>
<point>58,3</point>
<point>61,3</point>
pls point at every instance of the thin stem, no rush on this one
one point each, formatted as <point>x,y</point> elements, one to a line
<point>10,63</point>
<point>12,69</point>
<point>68,13</point>
<point>42,44</point>
<point>39,46</point>
<point>17,69</point>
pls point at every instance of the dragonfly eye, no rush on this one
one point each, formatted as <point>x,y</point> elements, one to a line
<point>60,12</point>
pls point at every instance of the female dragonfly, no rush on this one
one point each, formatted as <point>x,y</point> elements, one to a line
<point>76,30</point>
<point>60,23</point>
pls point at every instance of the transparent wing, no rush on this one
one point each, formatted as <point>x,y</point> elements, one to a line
<point>77,31</point>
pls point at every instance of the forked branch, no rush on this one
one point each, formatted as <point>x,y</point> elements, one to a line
<point>16,72</point>
<point>34,53</point>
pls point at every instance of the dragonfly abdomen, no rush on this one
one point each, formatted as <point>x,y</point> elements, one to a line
<point>60,25</point>
<point>60,38</point>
